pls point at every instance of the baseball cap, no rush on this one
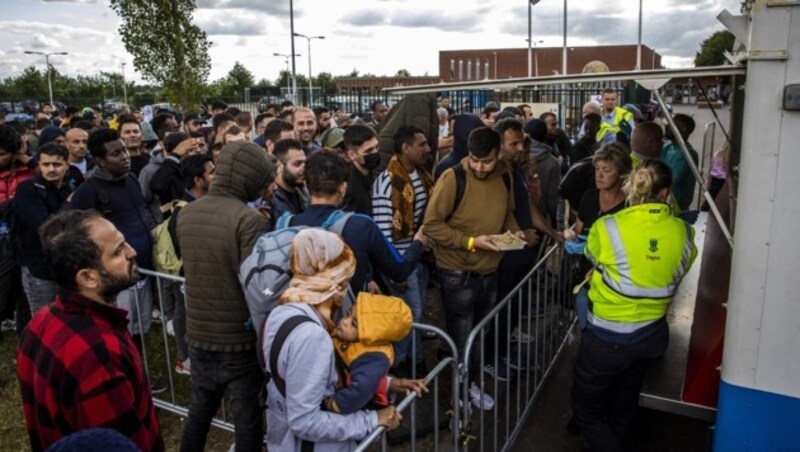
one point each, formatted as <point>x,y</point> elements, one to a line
<point>332,138</point>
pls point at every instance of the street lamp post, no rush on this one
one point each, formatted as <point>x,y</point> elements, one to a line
<point>639,46</point>
<point>47,63</point>
<point>564,49</point>
<point>294,68</point>
<point>308,39</point>
<point>124,86</point>
<point>530,40</point>
<point>288,74</point>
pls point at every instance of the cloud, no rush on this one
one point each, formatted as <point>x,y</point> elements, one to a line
<point>676,30</point>
<point>439,20</point>
<point>271,7</point>
<point>64,32</point>
<point>70,1</point>
<point>231,23</point>
<point>40,41</point>
<point>364,18</point>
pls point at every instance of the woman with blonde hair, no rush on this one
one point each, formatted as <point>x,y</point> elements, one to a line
<point>303,368</point>
<point>640,256</point>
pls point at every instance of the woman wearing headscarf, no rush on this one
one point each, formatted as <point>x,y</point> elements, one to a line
<point>304,369</point>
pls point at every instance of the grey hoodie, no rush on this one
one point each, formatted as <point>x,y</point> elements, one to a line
<point>549,172</point>
<point>307,364</point>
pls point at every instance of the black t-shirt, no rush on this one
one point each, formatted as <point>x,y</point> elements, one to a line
<point>589,209</point>
<point>358,198</point>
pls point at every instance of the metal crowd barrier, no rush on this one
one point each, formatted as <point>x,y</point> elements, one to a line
<point>411,401</point>
<point>540,306</point>
<point>178,403</point>
<point>174,402</point>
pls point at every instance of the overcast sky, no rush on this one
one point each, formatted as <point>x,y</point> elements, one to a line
<point>374,36</point>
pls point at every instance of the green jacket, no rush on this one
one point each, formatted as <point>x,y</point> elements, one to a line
<point>216,233</point>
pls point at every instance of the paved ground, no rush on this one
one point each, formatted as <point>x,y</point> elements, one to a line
<point>545,429</point>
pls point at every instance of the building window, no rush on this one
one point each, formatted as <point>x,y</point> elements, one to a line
<point>469,69</point>
<point>461,69</point>
<point>452,69</point>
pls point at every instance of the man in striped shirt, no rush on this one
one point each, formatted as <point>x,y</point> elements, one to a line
<point>399,197</point>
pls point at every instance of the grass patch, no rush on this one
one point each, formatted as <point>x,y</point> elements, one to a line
<point>14,437</point>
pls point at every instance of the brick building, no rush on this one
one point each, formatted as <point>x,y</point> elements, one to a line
<point>463,65</point>
<point>374,85</point>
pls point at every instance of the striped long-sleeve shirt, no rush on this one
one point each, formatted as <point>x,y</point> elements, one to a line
<point>382,209</point>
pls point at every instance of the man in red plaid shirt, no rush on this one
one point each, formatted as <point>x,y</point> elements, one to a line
<point>77,364</point>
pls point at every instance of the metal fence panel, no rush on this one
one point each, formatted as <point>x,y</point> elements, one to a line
<point>540,307</point>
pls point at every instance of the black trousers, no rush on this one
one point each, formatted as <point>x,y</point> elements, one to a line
<point>605,390</point>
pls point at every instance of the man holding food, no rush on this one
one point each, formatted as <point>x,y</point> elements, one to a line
<point>471,202</point>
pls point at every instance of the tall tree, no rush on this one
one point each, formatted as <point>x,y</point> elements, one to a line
<point>31,82</point>
<point>237,80</point>
<point>166,47</point>
<point>403,73</point>
<point>326,82</point>
<point>712,49</point>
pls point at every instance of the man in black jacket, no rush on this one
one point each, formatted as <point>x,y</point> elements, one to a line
<point>37,199</point>
<point>290,195</point>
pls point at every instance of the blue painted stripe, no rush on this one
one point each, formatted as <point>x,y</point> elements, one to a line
<point>753,420</point>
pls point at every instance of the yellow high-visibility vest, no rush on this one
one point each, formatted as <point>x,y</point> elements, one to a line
<point>640,256</point>
<point>620,115</point>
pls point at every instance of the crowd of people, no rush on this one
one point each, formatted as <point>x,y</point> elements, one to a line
<point>426,190</point>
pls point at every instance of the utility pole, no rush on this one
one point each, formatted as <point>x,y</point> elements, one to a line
<point>124,86</point>
<point>47,63</point>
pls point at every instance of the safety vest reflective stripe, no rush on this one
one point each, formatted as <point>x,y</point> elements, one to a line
<point>618,327</point>
<point>685,258</point>
<point>625,285</point>
<point>620,115</point>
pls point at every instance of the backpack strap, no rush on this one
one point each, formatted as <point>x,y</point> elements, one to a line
<point>277,344</point>
<point>284,221</point>
<point>461,186</point>
<point>336,221</point>
<point>103,200</point>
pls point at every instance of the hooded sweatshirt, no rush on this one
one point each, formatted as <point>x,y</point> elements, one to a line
<point>307,364</point>
<point>381,320</point>
<point>216,233</point>
<point>120,200</point>
<point>464,124</point>
<point>549,173</point>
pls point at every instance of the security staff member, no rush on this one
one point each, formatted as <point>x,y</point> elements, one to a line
<point>615,119</point>
<point>640,256</point>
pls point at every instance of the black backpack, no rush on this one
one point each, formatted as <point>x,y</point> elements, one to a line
<point>577,181</point>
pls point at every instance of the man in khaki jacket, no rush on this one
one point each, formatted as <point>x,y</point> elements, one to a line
<point>466,257</point>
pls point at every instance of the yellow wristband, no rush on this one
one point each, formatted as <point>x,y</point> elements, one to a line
<point>471,244</point>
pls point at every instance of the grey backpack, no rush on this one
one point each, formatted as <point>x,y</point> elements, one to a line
<point>265,274</point>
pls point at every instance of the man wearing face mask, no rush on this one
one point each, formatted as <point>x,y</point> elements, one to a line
<point>361,144</point>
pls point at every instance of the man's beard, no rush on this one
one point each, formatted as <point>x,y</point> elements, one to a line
<point>481,175</point>
<point>291,180</point>
<point>112,285</point>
